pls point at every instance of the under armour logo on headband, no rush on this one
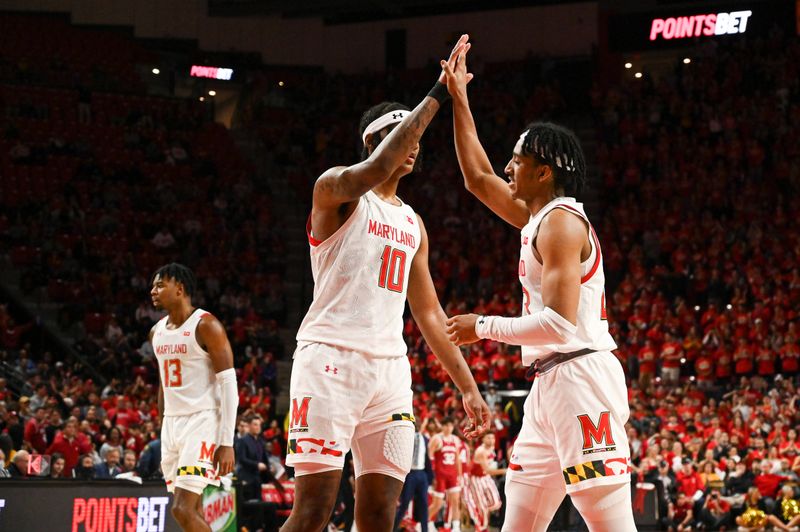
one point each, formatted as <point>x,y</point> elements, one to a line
<point>390,118</point>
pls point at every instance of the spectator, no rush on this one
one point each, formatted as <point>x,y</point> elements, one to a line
<point>57,464</point>
<point>3,471</point>
<point>71,444</point>
<point>681,514</point>
<point>35,431</point>
<point>688,480</point>
<point>39,399</point>
<point>716,511</point>
<point>110,467</point>
<point>85,469</point>
<point>129,462</point>
<point>14,429</point>
<point>113,441</point>
<point>19,465</point>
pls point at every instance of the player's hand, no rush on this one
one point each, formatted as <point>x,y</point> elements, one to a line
<point>455,55</point>
<point>454,70</point>
<point>461,329</point>
<point>478,415</point>
<point>223,460</point>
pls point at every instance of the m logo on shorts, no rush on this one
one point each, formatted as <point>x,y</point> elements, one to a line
<point>300,414</point>
<point>206,452</point>
<point>599,433</point>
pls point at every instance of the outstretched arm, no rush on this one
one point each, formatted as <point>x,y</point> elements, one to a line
<point>479,176</point>
<point>343,184</point>
<point>431,319</point>
<point>211,335</point>
<point>560,242</point>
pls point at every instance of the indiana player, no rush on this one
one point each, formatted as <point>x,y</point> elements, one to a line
<point>480,492</point>
<point>351,380</point>
<point>197,397</point>
<point>573,437</point>
<point>444,451</point>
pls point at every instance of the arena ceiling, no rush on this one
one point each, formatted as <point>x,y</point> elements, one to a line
<point>341,11</point>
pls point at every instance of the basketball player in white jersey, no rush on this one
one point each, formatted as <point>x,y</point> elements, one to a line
<point>197,396</point>
<point>573,438</point>
<point>351,380</point>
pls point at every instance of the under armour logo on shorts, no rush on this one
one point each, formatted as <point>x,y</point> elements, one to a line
<point>329,369</point>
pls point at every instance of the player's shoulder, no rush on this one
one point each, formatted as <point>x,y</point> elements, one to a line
<point>207,323</point>
<point>563,224</point>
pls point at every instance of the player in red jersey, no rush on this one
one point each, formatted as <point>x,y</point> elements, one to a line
<point>444,450</point>
<point>197,398</point>
<point>481,493</point>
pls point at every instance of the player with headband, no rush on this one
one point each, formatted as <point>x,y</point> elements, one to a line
<point>573,437</point>
<point>351,380</point>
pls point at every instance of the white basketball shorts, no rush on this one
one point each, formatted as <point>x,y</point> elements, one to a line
<point>187,450</point>
<point>573,429</point>
<point>342,400</point>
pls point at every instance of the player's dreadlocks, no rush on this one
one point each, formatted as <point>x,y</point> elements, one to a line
<point>558,147</point>
<point>178,273</point>
<point>372,114</point>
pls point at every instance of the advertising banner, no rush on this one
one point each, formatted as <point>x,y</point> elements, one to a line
<point>96,506</point>
<point>219,508</point>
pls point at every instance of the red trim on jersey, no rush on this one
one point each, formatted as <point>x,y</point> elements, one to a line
<point>597,257</point>
<point>206,314</point>
<point>311,240</point>
<point>169,482</point>
<point>514,467</point>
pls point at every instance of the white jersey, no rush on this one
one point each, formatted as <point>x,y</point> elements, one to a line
<point>187,376</point>
<point>361,277</point>
<point>592,323</point>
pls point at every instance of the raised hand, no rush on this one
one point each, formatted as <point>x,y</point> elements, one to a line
<point>454,70</point>
<point>462,42</point>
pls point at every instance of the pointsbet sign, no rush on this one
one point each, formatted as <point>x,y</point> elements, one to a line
<point>724,23</point>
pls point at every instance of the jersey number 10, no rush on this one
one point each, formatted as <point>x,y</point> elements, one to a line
<point>393,269</point>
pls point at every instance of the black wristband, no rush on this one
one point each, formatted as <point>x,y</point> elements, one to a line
<point>439,92</point>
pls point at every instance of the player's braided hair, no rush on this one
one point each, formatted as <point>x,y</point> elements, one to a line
<point>558,147</point>
<point>178,273</point>
<point>372,114</point>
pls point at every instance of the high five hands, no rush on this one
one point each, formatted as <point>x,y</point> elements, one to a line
<point>454,70</point>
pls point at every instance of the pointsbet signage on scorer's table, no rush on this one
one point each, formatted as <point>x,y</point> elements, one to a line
<point>109,506</point>
<point>699,25</point>
<point>117,514</point>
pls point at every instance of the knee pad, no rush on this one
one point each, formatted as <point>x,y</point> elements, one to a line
<point>387,452</point>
